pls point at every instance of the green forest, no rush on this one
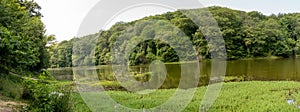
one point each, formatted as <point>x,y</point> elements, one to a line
<point>28,54</point>
<point>246,34</point>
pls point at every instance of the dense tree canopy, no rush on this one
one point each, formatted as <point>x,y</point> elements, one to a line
<point>246,35</point>
<point>22,36</point>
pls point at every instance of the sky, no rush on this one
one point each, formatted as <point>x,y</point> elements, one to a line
<point>64,17</point>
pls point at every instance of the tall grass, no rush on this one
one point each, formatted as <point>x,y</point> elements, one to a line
<point>253,96</point>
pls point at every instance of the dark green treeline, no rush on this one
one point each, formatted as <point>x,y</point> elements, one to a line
<point>246,35</point>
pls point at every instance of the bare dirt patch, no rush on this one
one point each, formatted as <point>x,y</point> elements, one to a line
<point>9,105</point>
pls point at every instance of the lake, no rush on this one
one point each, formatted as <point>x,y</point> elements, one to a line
<point>252,69</point>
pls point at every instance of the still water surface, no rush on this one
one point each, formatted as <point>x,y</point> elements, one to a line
<point>254,69</point>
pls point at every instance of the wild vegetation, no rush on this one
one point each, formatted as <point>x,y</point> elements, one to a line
<point>22,37</point>
<point>246,35</point>
<point>26,51</point>
<point>234,96</point>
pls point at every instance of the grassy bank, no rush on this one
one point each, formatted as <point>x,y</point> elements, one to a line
<point>234,96</point>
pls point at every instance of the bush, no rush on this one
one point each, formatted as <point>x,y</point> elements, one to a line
<point>46,96</point>
<point>10,87</point>
<point>143,77</point>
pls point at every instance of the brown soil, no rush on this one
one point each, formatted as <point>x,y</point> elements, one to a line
<point>9,105</point>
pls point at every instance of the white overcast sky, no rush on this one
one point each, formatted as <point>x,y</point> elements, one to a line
<point>63,17</point>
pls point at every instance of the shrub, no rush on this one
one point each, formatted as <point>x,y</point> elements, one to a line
<point>143,77</point>
<point>10,87</point>
<point>46,96</point>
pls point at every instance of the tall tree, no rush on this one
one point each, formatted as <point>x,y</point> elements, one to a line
<point>23,41</point>
<point>291,23</point>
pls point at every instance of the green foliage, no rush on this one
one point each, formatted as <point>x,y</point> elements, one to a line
<point>61,54</point>
<point>234,79</point>
<point>105,42</point>
<point>32,7</point>
<point>83,50</point>
<point>22,39</point>
<point>143,77</point>
<point>246,35</point>
<point>78,104</point>
<point>234,96</point>
<point>11,87</point>
<point>291,25</point>
<point>46,96</point>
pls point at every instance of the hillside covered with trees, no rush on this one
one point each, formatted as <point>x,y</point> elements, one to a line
<point>246,34</point>
<point>26,51</point>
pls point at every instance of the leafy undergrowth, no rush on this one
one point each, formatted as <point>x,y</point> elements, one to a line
<point>255,96</point>
<point>39,95</point>
<point>234,96</point>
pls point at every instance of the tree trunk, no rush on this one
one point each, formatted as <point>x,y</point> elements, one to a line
<point>294,54</point>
